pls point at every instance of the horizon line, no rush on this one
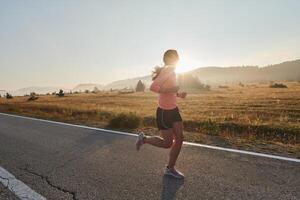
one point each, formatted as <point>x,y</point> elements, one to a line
<point>207,66</point>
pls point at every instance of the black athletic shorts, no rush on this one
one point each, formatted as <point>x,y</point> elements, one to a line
<point>166,118</point>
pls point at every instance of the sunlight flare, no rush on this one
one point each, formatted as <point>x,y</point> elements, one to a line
<point>187,63</point>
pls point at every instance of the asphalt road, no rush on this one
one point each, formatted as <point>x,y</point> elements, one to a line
<point>65,162</point>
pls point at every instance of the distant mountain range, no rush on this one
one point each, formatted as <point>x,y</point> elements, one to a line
<point>37,90</point>
<point>286,71</point>
<point>210,75</point>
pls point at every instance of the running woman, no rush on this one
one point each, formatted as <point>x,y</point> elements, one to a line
<point>168,118</point>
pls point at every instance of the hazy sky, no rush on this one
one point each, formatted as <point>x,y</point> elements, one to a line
<point>63,43</point>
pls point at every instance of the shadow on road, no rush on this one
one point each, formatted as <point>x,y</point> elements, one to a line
<point>170,187</point>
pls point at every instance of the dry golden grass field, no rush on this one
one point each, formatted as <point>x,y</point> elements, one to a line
<point>251,117</point>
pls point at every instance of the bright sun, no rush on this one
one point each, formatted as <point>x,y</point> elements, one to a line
<point>186,64</point>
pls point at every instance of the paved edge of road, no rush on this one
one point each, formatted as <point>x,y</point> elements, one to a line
<point>186,143</point>
<point>17,187</point>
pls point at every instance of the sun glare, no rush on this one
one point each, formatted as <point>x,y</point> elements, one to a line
<point>186,64</point>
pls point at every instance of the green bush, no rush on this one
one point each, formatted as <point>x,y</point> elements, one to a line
<point>125,121</point>
<point>140,87</point>
<point>8,96</point>
<point>32,97</point>
<point>61,93</point>
<point>278,85</point>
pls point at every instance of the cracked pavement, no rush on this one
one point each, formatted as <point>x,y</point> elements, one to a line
<point>64,162</point>
<point>6,194</point>
<point>47,180</point>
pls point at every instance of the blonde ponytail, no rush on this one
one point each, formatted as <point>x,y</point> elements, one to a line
<point>156,72</point>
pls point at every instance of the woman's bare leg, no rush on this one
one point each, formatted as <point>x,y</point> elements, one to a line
<point>178,137</point>
<point>165,141</point>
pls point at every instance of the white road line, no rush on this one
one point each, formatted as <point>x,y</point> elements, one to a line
<point>244,152</point>
<point>20,189</point>
<point>186,143</point>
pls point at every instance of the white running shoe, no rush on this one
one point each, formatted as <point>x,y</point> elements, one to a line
<point>174,173</point>
<point>139,141</point>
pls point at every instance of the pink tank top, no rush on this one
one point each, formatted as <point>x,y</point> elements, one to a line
<point>166,79</point>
